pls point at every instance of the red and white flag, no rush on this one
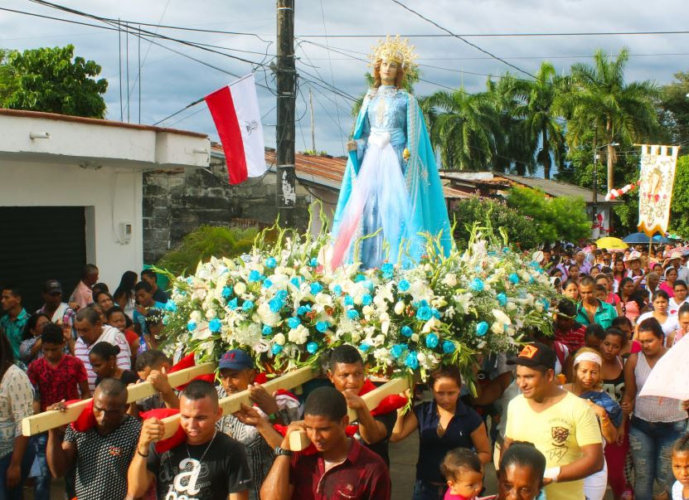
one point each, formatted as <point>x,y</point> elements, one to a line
<point>238,120</point>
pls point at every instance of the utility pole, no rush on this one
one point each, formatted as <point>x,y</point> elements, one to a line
<point>313,124</point>
<point>286,86</point>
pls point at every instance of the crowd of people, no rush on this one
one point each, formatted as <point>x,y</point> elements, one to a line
<point>561,419</point>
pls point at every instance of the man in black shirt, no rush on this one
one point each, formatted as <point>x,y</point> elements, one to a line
<point>209,465</point>
<point>347,374</point>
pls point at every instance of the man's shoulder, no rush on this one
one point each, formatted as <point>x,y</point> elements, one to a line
<point>366,458</point>
<point>228,442</point>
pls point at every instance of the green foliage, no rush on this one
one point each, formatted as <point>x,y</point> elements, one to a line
<point>674,110</point>
<point>555,219</point>
<point>520,230</point>
<point>204,243</point>
<point>52,80</point>
<point>679,215</point>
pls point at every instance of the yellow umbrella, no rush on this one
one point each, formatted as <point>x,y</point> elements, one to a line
<point>610,243</point>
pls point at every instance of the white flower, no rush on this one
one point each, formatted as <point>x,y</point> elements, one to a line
<point>399,307</point>
<point>210,314</point>
<point>298,335</point>
<point>367,310</point>
<point>450,280</point>
<point>382,356</point>
<point>429,325</point>
<point>502,317</point>
<point>414,337</point>
<point>279,339</point>
<point>511,306</point>
<point>239,288</point>
<point>497,328</point>
<point>378,340</point>
<point>539,306</point>
<point>323,299</point>
<point>195,316</point>
<point>421,357</point>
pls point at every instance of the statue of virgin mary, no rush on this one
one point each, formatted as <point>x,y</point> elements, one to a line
<point>391,199</point>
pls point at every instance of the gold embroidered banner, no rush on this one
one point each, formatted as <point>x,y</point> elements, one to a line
<point>655,189</point>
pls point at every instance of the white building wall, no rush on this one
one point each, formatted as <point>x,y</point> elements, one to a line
<point>110,194</point>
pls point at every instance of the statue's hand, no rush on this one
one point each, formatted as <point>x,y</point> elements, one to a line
<point>351,146</point>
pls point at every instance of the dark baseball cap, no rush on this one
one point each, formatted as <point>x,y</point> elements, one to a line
<point>535,354</point>
<point>236,359</point>
<point>52,286</point>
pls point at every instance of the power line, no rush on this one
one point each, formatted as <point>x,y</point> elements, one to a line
<point>460,38</point>
<point>504,35</point>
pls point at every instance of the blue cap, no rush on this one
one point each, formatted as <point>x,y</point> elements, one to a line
<point>236,359</point>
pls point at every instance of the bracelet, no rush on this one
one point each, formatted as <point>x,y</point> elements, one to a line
<point>141,454</point>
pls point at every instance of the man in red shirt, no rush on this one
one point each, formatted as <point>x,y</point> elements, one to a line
<point>340,466</point>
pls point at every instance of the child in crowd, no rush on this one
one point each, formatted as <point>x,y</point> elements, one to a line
<point>680,468</point>
<point>463,473</point>
<point>118,319</point>
<point>567,330</point>
<point>152,366</point>
<point>103,358</point>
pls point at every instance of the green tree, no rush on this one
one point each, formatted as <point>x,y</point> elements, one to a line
<point>543,127</point>
<point>674,108</point>
<point>555,219</point>
<point>464,129</point>
<point>496,214</point>
<point>52,80</point>
<point>598,98</point>
<point>679,210</point>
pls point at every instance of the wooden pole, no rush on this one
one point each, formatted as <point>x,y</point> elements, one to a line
<point>298,440</point>
<point>286,90</point>
<point>47,420</point>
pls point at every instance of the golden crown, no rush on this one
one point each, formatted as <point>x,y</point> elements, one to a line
<point>395,49</point>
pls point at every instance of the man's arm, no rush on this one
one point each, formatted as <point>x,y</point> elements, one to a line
<point>160,383</point>
<point>249,416</point>
<point>59,454</point>
<point>276,485</point>
<point>590,463</point>
<point>84,389</point>
<point>139,478</point>
<point>242,495</point>
<point>14,470</point>
<point>371,430</point>
<point>481,443</point>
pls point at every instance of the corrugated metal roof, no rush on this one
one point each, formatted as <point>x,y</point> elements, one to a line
<point>556,188</point>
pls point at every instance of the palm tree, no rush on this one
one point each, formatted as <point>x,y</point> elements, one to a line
<point>464,129</point>
<point>598,99</point>
<point>542,127</point>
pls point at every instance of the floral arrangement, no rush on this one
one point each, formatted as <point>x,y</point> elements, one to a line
<point>280,303</point>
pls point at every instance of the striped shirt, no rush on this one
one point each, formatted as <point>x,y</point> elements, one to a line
<point>112,336</point>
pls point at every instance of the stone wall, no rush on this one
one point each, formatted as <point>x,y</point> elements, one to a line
<point>177,201</point>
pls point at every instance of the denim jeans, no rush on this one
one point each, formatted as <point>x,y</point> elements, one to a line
<point>16,492</point>
<point>651,447</point>
<point>42,487</point>
<point>423,490</point>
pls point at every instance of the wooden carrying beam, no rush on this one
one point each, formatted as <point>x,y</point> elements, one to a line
<point>298,440</point>
<point>47,420</point>
<point>232,404</point>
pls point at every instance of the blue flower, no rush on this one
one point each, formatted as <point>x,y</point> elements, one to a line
<point>411,361</point>
<point>366,300</point>
<point>337,289</point>
<point>304,309</point>
<point>406,331</point>
<point>166,320</point>
<point>312,347</point>
<point>191,326</point>
<point>296,281</point>
<point>448,347</point>
<point>267,283</point>
<point>247,306</point>
<point>282,295</point>
<point>403,286</point>
<point>293,322</point>
<point>387,270</point>
<point>531,280</point>
<point>432,341</point>
<point>363,347</point>
<point>322,326</point>
<point>226,292</point>
<point>348,300</point>
<point>368,284</point>
<point>481,328</point>
<point>435,313</point>
<point>546,304</point>
<point>271,262</point>
<point>276,349</point>
<point>313,262</point>
<point>353,314</point>
<point>502,299</point>
<point>275,304</point>
<point>255,276</point>
<point>359,277</point>
<point>424,313</point>
<point>514,278</point>
<point>171,306</point>
<point>316,288</point>
<point>476,285</point>
<point>214,325</point>
<point>397,350</point>
<point>267,330</point>
<point>232,304</point>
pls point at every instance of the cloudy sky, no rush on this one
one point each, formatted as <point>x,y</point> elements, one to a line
<point>333,39</point>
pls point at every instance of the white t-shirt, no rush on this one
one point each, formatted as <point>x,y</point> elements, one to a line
<point>673,307</point>
<point>668,327</point>
<point>677,491</point>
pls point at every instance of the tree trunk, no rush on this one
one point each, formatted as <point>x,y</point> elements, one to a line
<point>611,180</point>
<point>546,156</point>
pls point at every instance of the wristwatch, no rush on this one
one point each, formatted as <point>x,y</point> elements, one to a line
<point>282,452</point>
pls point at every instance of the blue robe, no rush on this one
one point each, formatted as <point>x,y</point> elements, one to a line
<point>424,213</point>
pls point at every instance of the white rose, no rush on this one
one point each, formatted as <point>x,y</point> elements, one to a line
<point>195,316</point>
<point>421,357</point>
<point>450,280</point>
<point>429,325</point>
<point>502,317</point>
<point>378,340</point>
<point>399,307</point>
<point>414,337</point>
<point>279,339</point>
<point>367,310</point>
<point>497,328</point>
<point>511,306</point>
<point>210,314</point>
<point>239,288</point>
<point>298,335</point>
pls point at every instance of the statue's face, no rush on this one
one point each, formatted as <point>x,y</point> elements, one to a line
<point>388,72</point>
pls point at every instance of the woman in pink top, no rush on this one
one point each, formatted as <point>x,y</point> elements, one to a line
<point>668,285</point>
<point>630,301</point>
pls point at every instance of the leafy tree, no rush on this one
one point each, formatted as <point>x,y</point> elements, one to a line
<point>464,129</point>
<point>555,219</point>
<point>597,98</point>
<point>52,80</point>
<point>497,215</point>
<point>679,210</point>
<point>674,108</point>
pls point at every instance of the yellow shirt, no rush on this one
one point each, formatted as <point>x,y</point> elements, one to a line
<point>558,432</point>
